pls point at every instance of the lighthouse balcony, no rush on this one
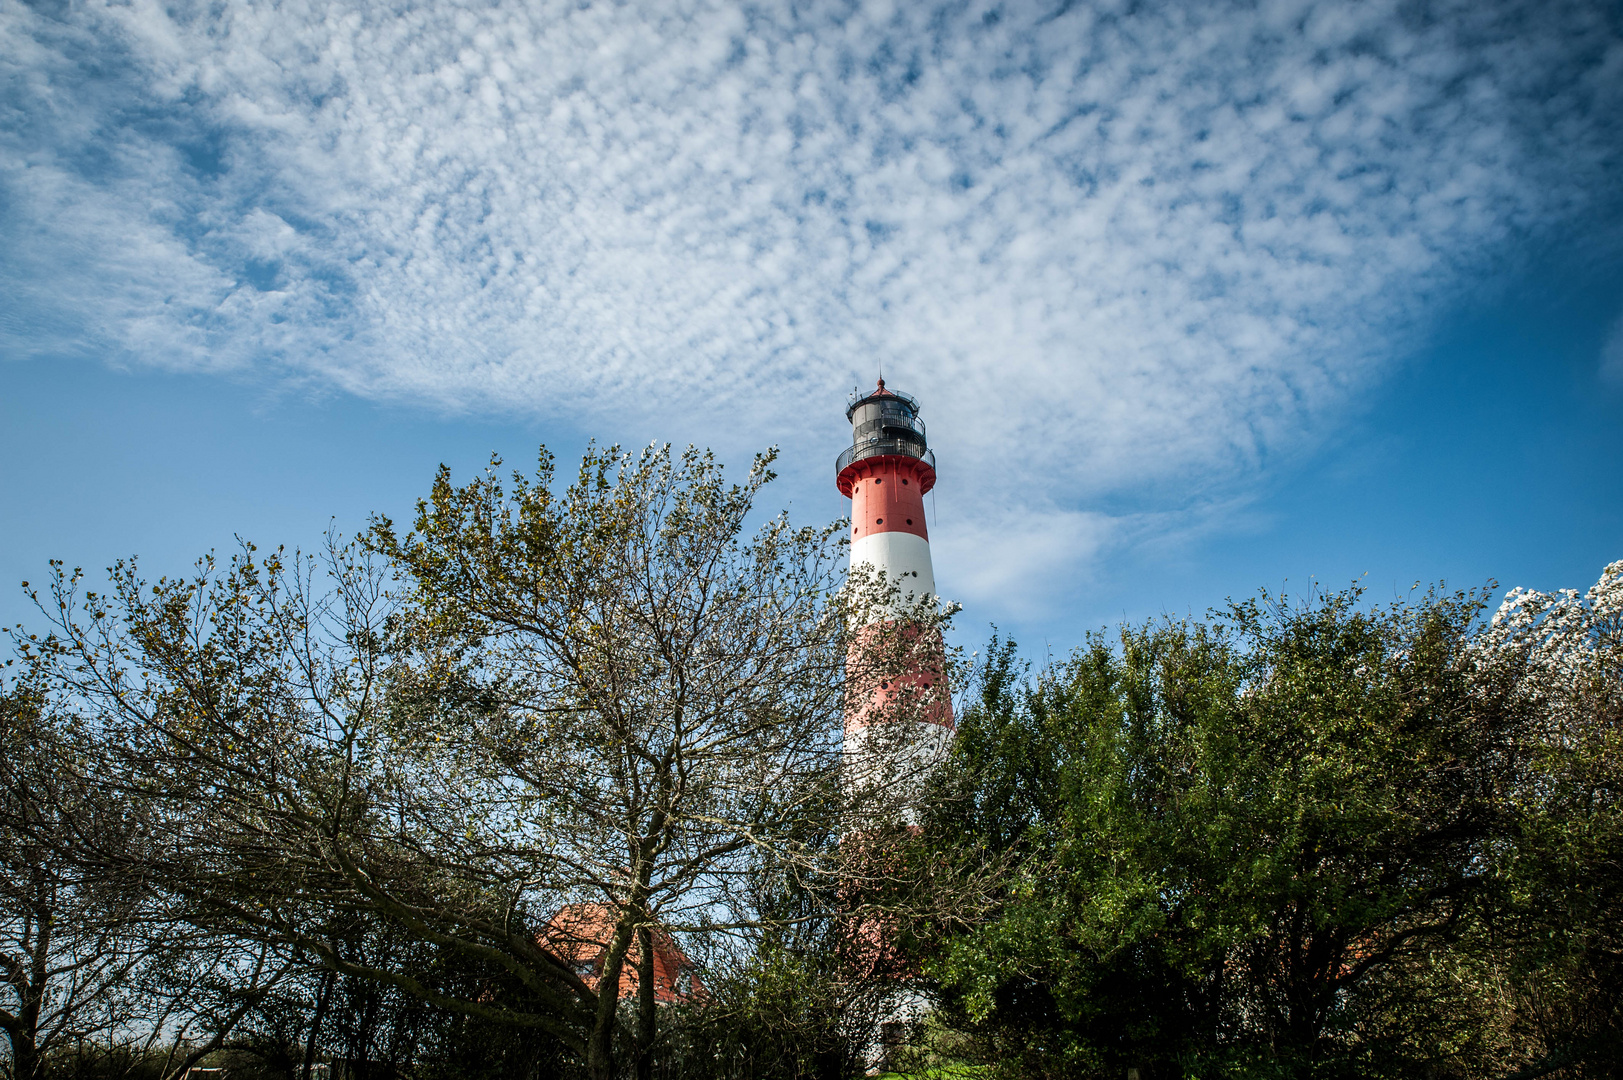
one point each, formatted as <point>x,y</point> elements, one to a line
<point>852,465</point>
<point>875,446</point>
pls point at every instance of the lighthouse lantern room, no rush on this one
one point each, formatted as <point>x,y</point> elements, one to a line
<point>886,472</point>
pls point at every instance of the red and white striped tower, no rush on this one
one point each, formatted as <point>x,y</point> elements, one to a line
<point>898,719</point>
<point>886,473</point>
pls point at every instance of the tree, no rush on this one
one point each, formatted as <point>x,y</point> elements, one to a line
<point>1553,955</point>
<point>69,950</point>
<point>1242,846</point>
<point>537,699</point>
<point>658,705</point>
<point>88,957</point>
<point>789,1003</point>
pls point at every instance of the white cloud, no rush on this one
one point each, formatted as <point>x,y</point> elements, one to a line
<point>1114,249</point>
<point>1025,558</point>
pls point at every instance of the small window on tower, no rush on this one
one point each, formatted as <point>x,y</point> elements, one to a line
<point>910,521</point>
<point>879,521</point>
<point>879,480</point>
<point>904,481</point>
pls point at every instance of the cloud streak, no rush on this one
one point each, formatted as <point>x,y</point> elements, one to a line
<point>1116,249</point>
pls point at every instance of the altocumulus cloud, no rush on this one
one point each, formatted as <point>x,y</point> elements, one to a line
<point>1151,242</point>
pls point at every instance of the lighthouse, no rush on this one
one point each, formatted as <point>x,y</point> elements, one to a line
<point>898,716</point>
<point>899,712</point>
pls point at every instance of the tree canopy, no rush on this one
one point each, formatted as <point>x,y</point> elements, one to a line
<point>1294,840</point>
<point>437,800</point>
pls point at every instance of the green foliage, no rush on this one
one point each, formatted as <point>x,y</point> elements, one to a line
<point>779,1016</point>
<point>1244,847</point>
<point>786,1005</point>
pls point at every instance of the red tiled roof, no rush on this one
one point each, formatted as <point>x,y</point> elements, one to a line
<point>580,935</point>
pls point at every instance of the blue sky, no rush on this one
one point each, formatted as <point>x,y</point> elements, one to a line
<point>1198,298</point>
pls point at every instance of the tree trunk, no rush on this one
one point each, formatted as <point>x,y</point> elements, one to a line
<point>600,1046</point>
<point>27,1062</point>
<point>315,1024</point>
<point>25,1059</point>
<point>645,1003</point>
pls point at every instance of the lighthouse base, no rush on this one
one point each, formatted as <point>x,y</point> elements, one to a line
<point>901,1013</point>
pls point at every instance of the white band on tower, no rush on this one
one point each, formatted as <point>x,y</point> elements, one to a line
<point>903,558</point>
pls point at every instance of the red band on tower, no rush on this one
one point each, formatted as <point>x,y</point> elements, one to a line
<point>887,494</point>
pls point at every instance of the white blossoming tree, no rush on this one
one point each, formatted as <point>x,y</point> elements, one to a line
<point>1564,883</point>
<point>1573,643</point>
